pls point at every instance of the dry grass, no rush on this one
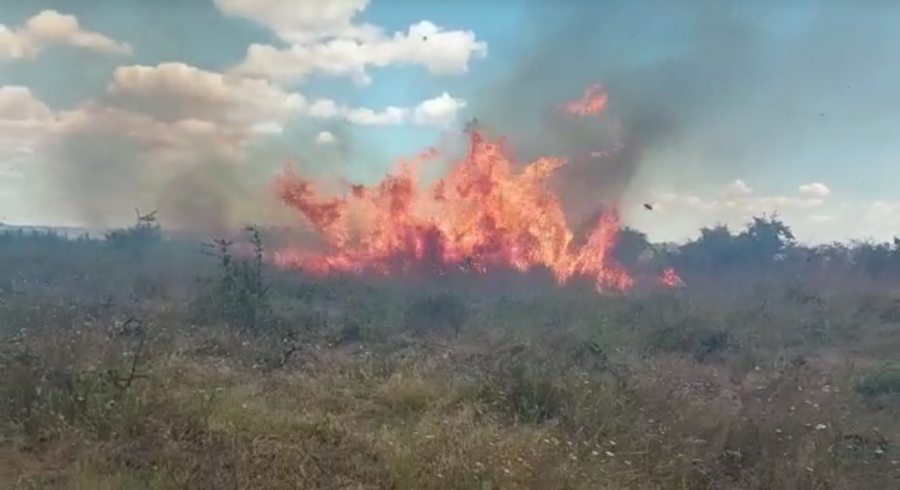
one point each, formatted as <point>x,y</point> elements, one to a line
<point>570,391</point>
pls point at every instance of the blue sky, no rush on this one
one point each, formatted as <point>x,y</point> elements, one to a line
<point>745,103</point>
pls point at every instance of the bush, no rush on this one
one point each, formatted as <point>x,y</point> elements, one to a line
<point>881,383</point>
<point>239,296</point>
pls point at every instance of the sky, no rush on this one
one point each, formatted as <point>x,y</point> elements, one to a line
<point>728,112</point>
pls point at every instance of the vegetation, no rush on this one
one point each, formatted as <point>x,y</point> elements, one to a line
<point>139,362</point>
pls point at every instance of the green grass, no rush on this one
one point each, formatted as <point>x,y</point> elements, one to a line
<point>142,377</point>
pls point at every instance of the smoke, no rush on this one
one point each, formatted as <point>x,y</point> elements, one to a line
<point>655,97</point>
<point>703,90</point>
<point>199,176</point>
<point>700,91</point>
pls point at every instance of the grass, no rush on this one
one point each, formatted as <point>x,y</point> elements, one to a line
<point>125,372</point>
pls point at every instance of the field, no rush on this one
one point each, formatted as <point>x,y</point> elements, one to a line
<point>141,363</point>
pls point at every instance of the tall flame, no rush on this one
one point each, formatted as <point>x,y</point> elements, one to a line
<point>483,214</point>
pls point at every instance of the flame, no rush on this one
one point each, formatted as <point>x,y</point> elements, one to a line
<point>487,212</point>
<point>670,278</point>
<point>592,102</point>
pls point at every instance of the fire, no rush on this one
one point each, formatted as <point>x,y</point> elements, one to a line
<point>487,212</point>
<point>592,102</point>
<point>669,278</point>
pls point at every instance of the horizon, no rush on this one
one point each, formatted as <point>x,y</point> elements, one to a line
<point>75,231</point>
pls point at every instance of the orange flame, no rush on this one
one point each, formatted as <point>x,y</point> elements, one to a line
<point>482,214</point>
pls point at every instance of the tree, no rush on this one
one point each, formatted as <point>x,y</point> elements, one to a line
<point>765,239</point>
<point>714,250</point>
<point>630,245</point>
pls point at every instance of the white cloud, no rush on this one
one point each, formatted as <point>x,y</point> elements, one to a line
<point>323,39</point>
<point>812,213</point>
<point>172,117</point>
<point>815,189</point>
<point>325,138</point>
<point>23,119</point>
<point>313,17</point>
<point>51,28</point>
<point>737,189</point>
<point>155,122</point>
<point>269,127</point>
<point>439,111</point>
<point>172,112</point>
<point>178,108</point>
<point>325,109</point>
<point>369,117</point>
<point>18,103</point>
<point>174,91</point>
<point>881,214</point>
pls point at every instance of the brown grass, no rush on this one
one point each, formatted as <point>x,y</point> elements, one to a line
<point>569,391</point>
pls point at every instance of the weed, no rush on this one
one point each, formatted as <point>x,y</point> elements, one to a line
<point>239,295</point>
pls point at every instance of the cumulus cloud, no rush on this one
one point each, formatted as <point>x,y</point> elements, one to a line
<point>439,111</point>
<point>325,138</point>
<point>815,189</point>
<point>23,119</point>
<point>307,19</point>
<point>737,189</point>
<point>171,137</point>
<point>176,138</point>
<point>879,217</point>
<point>323,40</point>
<point>368,117</point>
<point>740,198</point>
<point>812,212</point>
<point>201,146</point>
<point>17,103</point>
<point>175,91</point>
<point>51,28</point>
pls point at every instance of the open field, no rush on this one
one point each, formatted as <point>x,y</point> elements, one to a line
<point>135,363</point>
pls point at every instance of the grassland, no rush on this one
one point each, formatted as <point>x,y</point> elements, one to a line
<point>135,363</point>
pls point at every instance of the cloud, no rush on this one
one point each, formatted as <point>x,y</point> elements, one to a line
<point>201,146</point>
<point>740,198</point>
<point>678,215</point>
<point>880,218</point>
<point>439,111</point>
<point>170,137</point>
<point>176,138</point>
<point>174,91</point>
<point>323,40</point>
<point>311,18</point>
<point>812,212</point>
<point>325,138</point>
<point>368,117</point>
<point>815,189</point>
<point>17,103</point>
<point>737,189</point>
<point>23,119</point>
<point>51,28</point>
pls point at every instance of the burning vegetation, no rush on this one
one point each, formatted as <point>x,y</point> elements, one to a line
<point>488,212</point>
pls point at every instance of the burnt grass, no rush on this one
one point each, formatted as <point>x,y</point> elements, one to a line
<point>136,362</point>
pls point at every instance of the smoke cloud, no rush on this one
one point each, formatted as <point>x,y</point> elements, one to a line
<point>199,176</point>
<point>702,90</point>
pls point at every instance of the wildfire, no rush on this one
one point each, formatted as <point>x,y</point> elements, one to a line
<point>486,212</point>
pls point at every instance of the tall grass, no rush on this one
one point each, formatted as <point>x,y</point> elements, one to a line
<point>143,363</point>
